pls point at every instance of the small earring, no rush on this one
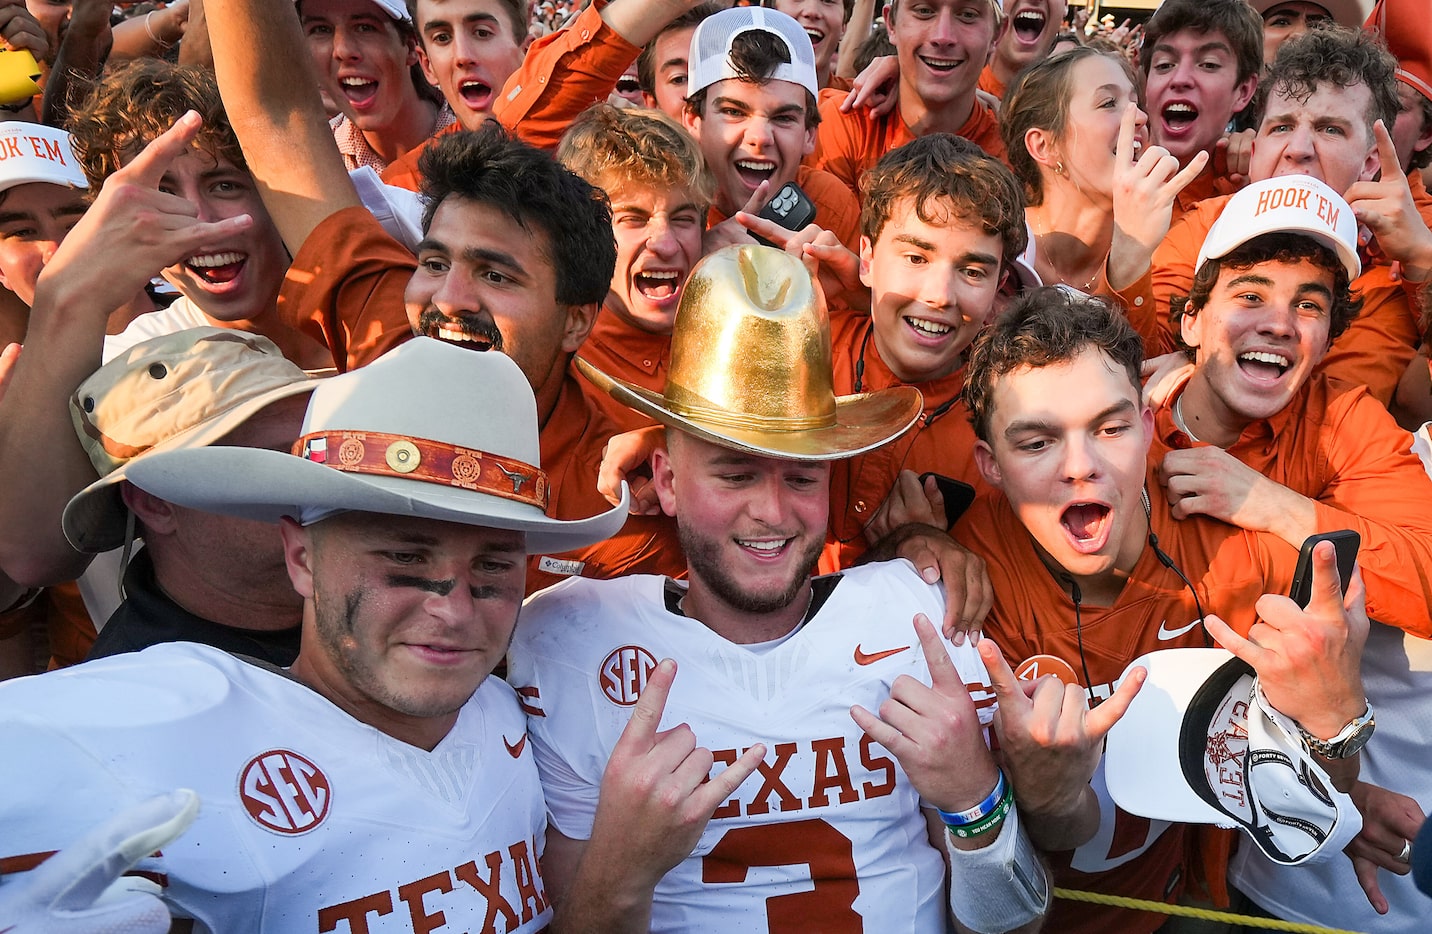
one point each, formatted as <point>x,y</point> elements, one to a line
<point>1059,168</point>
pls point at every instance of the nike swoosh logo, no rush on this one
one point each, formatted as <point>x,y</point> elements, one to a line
<point>515,749</point>
<point>862,658</point>
<point>1166,633</point>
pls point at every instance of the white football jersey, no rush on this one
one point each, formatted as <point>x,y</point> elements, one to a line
<point>309,819</point>
<point>828,834</point>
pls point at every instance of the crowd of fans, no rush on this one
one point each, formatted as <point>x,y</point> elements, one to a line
<point>865,407</point>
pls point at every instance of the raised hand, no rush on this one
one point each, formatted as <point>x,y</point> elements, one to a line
<point>134,228</point>
<point>1145,186</point>
<point>1051,742</point>
<point>655,798</point>
<point>934,730</point>
<point>1308,659</point>
<point>1386,208</point>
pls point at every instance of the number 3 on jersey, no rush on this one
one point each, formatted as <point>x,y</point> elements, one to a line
<point>829,907</point>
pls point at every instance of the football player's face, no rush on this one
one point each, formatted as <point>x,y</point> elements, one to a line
<point>1067,445</point>
<point>752,527</point>
<point>404,617</point>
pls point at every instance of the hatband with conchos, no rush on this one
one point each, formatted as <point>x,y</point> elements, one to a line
<point>402,456</point>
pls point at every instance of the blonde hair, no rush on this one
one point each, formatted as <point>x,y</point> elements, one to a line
<point>608,146</point>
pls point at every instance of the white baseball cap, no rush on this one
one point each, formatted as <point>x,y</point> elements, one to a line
<point>30,152</point>
<point>394,8</point>
<point>1201,744</point>
<point>1297,204</point>
<point>710,57</point>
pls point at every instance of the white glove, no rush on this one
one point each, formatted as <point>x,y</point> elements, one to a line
<point>76,891</point>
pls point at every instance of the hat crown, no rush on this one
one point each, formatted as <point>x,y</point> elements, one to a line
<point>751,344</point>
<point>710,55</point>
<point>162,387</point>
<point>434,391</point>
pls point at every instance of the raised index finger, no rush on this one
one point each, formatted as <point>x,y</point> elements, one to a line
<point>944,678</point>
<point>1124,150</point>
<point>154,160</point>
<point>650,705</point>
<point>1007,689</point>
<point>1387,155</point>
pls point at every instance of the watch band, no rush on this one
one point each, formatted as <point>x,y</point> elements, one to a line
<point>1348,741</point>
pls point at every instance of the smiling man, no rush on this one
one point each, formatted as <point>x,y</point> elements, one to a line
<point>751,104</point>
<point>1089,573</point>
<point>516,256</point>
<point>1257,438</point>
<point>411,584</point>
<point>366,49</point>
<point>942,47</point>
<point>844,827</point>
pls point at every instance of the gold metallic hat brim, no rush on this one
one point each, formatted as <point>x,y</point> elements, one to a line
<point>863,421</point>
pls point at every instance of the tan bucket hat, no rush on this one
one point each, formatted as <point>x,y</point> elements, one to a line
<point>180,390</point>
<point>751,366</point>
<point>427,430</point>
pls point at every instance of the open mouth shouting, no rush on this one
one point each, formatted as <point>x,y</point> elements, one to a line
<point>1178,117</point>
<point>217,269</point>
<point>473,331</point>
<point>1087,526</point>
<point>475,94</point>
<point>659,286</point>
<point>1028,25</point>
<point>360,91</point>
<point>754,171</point>
<point>1264,365</point>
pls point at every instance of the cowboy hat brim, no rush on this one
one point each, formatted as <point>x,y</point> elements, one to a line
<point>864,421</point>
<point>252,483</point>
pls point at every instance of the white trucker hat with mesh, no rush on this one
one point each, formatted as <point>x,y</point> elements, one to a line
<point>710,58</point>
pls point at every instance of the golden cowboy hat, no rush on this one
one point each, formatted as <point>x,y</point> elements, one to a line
<point>750,366</point>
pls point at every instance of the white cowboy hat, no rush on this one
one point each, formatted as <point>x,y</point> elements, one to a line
<point>427,430</point>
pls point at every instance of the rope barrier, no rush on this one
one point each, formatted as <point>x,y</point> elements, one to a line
<point>1204,914</point>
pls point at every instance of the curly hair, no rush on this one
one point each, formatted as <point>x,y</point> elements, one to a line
<point>1271,248</point>
<point>491,168</point>
<point>1038,98</point>
<point>946,172</point>
<point>136,102</point>
<point>609,145</point>
<point>1044,327</point>
<point>1239,23</point>
<point>1341,57</point>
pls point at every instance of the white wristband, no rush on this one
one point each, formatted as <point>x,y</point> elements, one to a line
<point>999,887</point>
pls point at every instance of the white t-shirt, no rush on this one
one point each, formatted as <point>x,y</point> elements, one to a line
<point>309,819</point>
<point>831,836</point>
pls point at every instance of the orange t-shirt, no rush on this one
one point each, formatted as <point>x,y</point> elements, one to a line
<point>1337,445</point>
<point>1033,615</point>
<point>628,353</point>
<point>571,442</point>
<point>847,144</point>
<point>942,441</point>
<point>836,209</point>
<point>1374,351</point>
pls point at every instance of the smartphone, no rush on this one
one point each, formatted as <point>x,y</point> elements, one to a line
<point>958,495</point>
<point>1345,541</point>
<point>791,208</point>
